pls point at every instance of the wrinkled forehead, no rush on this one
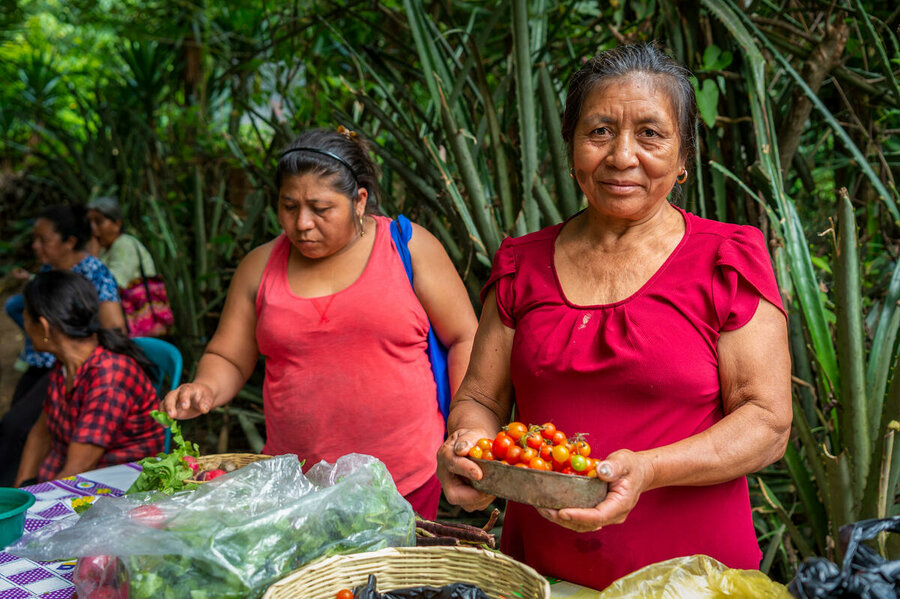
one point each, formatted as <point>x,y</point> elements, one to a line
<point>641,86</point>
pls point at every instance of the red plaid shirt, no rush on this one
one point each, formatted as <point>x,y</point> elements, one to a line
<point>109,406</point>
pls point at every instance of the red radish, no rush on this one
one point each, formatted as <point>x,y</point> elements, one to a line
<point>96,570</point>
<point>191,462</point>
<point>148,515</point>
<point>106,593</point>
<point>211,474</point>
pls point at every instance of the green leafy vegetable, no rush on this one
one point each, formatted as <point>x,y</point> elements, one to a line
<point>166,473</point>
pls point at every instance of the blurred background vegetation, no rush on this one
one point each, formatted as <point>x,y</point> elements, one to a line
<point>179,109</point>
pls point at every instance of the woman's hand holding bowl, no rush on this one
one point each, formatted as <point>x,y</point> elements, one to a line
<point>629,474</point>
<point>456,470</point>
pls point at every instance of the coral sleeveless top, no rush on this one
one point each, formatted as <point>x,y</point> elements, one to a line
<point>348,372</point>
<point>635,374</point>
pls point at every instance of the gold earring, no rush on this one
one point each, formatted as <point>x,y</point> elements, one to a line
<point>45,339</point>
<point>362,226</point>
<point>682,177</point>
<point>572,172</point>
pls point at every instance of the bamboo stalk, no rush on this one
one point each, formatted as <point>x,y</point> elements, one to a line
<point>527,120</point>
<point>565,187</point>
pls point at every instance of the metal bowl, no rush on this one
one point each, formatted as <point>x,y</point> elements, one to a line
<point>539,488</point>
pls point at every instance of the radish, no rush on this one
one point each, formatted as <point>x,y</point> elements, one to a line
<point>211,474</point>
<point>191,462</point>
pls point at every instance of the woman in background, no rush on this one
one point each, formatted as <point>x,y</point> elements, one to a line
<point>99,399</point>
<point>60,236</point>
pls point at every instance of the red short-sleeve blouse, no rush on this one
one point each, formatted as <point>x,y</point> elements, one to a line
<point>635,374</point>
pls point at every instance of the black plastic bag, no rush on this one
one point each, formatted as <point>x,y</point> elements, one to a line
<point>864,574</point>
<point>457,590</point>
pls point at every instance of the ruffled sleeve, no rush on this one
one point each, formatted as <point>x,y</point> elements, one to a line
<point>503,274</point>
<point>743,275</point>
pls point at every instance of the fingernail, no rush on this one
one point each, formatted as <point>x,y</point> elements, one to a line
<point>459,447</point>
<point>564,516</point>
<point>604,469</point>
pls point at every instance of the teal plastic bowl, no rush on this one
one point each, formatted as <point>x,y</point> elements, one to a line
<point>13,505</point>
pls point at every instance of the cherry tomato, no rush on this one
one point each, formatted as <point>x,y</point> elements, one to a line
<point>514,454</point>
<point>559,438</point>
<point>476,453</point>
<point>484,444</point>
<point>592,473</point>
<point>548,430</point>
<point>521,465</point>
<point>528,454</point>
<point>546,452</point>
<point>502,443</point>
<point>560,454</point>
<point>516,430</point>
<point>344,594</point>
<point>582,447</point>
<point>579,463</point>
<point>487,455</point>
<point>534,439</point>
<point>567,470</point>
<point>538,464</point>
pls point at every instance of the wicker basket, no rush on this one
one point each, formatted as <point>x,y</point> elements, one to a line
<point>402,567</point>
<point>209,462</point>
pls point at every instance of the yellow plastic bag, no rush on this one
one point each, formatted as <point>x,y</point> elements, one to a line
<point>694,577</point>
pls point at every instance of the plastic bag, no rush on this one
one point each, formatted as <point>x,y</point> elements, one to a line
<point>457,590</point>
<point>694,577</point>
<point>237,534</point>
<point>864,573</point>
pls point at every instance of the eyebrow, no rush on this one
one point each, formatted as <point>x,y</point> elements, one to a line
<point>311,200</point>
<point>594,120</point>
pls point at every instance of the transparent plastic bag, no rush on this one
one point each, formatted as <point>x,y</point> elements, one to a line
<point>234,536</point>
<point>694,577</point>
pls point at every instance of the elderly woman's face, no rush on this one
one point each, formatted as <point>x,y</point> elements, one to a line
<point>626,152</point>
<point>48,244</point>
<point>104,229</point>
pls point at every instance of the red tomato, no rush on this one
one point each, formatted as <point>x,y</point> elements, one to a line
<point>548,430</point>
<point>546,452</point>
<point>487,455</point>
<point>560,454</point>
<point>528,454</point>
<point>476,453</point>
<point>559,438</point>
<point>538,464</point>
<point>534,439</point>
<point>516,430</point>
<point>514,454</point>
<point>502,443</point>
<point>344,594</point>
<point>484,444</point>
<point>579,463</point>
<point>567,470</point>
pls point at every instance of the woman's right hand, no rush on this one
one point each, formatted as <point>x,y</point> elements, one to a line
<point>189,401</point>
<point>455,470</point>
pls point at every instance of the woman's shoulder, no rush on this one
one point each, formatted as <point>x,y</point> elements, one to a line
<point>718,232</point>
<point>94,270</point>
<point>538,241</point>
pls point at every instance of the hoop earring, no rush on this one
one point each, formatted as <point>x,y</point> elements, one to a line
<point>682,177</point>
<point>362,226</point>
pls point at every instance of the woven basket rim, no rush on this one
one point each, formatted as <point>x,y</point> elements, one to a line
<point>256,457</point>
<point>324,567</point>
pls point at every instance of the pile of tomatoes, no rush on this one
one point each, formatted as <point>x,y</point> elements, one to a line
<point>541,447</point>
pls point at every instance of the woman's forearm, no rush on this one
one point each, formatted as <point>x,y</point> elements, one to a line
<point>37,447</point>
<point>458,362</point>
<point>746,440</point>
<point>223,377</point>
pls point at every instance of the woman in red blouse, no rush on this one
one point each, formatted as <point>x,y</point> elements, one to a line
<point>97,411</point>
<point>659,333</point>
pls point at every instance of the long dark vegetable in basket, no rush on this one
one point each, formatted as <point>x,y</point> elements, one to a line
<point>430,532</point>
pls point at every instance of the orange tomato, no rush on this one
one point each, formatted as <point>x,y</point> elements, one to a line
<point>476,453</point>
<point>516,430</point>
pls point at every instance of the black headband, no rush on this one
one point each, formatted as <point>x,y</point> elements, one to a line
<point>331,155</point>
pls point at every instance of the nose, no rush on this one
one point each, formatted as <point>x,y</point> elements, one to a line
<point>305,220</point>
<point>623,153</point>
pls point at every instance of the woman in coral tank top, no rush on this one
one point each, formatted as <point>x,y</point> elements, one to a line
<point>329,305</point>
<point>658,333</point>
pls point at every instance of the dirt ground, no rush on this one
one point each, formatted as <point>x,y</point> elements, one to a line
<point>12,339</point>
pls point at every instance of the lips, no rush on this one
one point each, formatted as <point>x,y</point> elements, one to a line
<point>619,185</point>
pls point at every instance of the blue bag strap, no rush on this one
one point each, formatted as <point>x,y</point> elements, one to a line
<point>401,233</point>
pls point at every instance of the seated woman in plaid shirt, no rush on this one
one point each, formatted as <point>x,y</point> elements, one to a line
<point>97,411</point>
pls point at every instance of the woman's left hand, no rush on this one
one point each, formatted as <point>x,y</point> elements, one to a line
<point>629,474</point>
